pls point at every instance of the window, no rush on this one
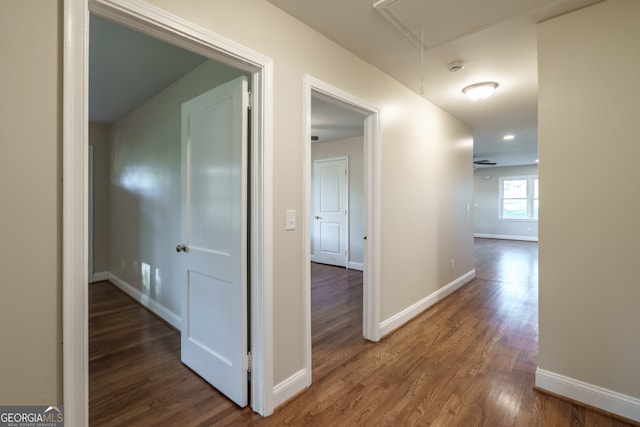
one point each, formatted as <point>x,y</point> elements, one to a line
<point>519,198</point>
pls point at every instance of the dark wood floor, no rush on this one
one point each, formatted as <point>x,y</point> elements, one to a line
<point>468,361</point>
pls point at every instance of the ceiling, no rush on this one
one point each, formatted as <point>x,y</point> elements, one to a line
<point>494,39</point>
<point>330,122</point>
<point>126,68</point>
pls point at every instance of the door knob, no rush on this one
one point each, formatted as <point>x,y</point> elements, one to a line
<point>181,248</point>
<point>317,217</point>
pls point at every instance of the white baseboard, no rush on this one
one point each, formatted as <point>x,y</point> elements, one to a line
<point>356,266</point>
<point>589,394</point>
<point>409,313</point>
<point>163,312</point>
<point>100,276</point>
<point>313,258</point>
<point>288,388</point>
<point>506,237</point>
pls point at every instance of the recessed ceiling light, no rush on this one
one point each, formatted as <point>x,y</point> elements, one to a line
<point>508,137</point>
<point>537,161</point>
<point>479,91</point>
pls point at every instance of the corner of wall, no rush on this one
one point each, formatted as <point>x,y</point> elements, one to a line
<point>291,386</point>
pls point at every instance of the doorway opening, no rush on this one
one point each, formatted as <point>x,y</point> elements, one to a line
<point>157,23</point>
<point>337,231</point>
<point>138,86</point>
<point>322,95</point>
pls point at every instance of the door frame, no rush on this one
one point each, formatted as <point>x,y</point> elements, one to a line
<point>372,207</point>
<point>90,207</point>
<point>160,24</point>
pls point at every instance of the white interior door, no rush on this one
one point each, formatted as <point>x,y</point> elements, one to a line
<point>330,199</point>
<point>214,229</point>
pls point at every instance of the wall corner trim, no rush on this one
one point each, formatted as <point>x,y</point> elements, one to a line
<point>291,386</point>
<point>589,394</point>
<point>412,311</point>
<point>356,266</point>
<point>99,276</point>
<point>506,237</point>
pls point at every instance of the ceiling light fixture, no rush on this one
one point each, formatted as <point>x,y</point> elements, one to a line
<point>508,137</point>
<point>454,67</point>
<point>479,91</point>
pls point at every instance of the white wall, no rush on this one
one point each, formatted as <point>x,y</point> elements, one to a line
<point>486,205</point>
<point>353,148</point>
<point>145,191</point>
<point>99,139</point>
<point>589,150</point>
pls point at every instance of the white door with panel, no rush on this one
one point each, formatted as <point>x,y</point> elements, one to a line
<point>214,232</point>
<point>330,201</point>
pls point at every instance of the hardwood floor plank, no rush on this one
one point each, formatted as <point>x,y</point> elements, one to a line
<point>470,360</point>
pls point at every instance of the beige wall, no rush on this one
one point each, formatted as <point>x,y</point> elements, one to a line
<point>486,204</point>
<point>145,189</point>
<point>99,139</point>
<point>589,150</point>
<point>353,148</point>
<point>31,207</point>
<point>426,175</point>
<point>426,180</point>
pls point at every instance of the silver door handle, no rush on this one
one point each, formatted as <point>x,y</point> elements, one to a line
<point>181,248</point>
<point>317,217</point>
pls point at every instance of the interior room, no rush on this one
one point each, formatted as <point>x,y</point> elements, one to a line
<point>497,212</point>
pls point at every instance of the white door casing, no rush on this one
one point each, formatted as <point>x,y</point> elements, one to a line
<point>214,230</point>
<point>142,16</point>
<point>330,202</point>
<point>373,207</point>
<point>90,233</point>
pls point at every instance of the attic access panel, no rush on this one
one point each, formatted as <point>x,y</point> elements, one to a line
<point>445,20</point>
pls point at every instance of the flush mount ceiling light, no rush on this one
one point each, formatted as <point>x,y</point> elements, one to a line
<point>479,91</point>
<point>508,137</point>
<point>455,67</point>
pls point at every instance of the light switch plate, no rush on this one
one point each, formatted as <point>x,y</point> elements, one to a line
<point>291,219</point>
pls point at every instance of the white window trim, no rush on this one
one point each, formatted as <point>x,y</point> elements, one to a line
<point>530,199</point>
